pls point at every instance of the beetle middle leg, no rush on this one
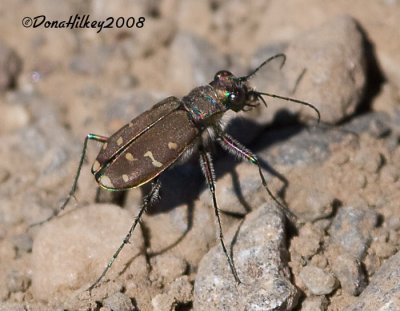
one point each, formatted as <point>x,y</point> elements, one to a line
<point>148,200</point>
<point>232,146</point>
<point>95,137</point>
<point>208,171</point>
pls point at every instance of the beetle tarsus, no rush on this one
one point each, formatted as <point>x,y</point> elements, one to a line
<point>146,202</point>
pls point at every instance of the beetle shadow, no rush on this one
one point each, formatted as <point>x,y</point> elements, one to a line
<point>184,183</point>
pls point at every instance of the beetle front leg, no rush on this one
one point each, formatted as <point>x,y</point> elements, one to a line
<point>95,137</point>
<point>208,171</point>
<point>235,148</point>
<point>148,200</point>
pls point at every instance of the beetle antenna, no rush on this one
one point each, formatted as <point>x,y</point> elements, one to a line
<point>291,100</point>
<point>249,76</point>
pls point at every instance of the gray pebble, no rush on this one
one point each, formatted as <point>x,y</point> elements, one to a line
<point>295,146</point>
<point>317,280</point>
<point>351,229</point>
<point>119,302</point>
<point>350,273</point>
<point>23,243</point>
<point>17,281</point>
<point>259,254</point>
<point>315,303</point>
<point>383,292</point>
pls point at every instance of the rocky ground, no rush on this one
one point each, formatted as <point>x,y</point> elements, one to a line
<point>341,177</point>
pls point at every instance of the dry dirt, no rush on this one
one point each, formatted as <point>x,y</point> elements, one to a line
<point>341,177</point>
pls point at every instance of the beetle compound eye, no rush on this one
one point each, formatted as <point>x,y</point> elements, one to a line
<point>222,75</point>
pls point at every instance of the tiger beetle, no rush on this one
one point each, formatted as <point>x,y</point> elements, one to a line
<point>144,148</point>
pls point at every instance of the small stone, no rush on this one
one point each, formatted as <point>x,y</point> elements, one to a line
<point>304,148</point>
<point>316,303</point>
<point>119,302</point>
<point>351,229</point>
<point>70,252</point>
<point>372,263</point>
<point>319,261</point>
<point>179,292</point>
<point>183,223</point>
<point>182,289</point>
<point>383,291</point>
<point>379,129</point>
<point>389,174</point>
<point>23,243</point>
<point>163,302</point>
<point>313,204</point>
<point>350,274</point>
<point>13,117</point>
<point>17,281</point>
<point>369,159</point>
<point>169,266</point>
<point>307,243</point>
<point>318,281</point>
<point>383,249</point>
<point>259,254</point>
<point>334,57</point>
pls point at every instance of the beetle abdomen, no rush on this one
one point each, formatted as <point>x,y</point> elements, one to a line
<point>153,150</point>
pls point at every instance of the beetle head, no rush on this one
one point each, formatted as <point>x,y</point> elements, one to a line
<point>233,91</point>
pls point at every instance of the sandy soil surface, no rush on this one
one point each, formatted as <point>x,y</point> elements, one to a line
<point>341,177</point>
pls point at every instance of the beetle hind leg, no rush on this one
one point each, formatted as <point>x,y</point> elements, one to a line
<point>71,194</point>
<point>148,200</point>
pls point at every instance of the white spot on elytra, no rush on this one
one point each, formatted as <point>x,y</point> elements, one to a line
<point>106,181</point>
<point>153,161</point>
<point>130,157</point>
<point>172,146</point>
<point>96,166</point>
<point>125,177</point>
<point>130,124</point>
<point>105,146</point>
<point>120,141</point>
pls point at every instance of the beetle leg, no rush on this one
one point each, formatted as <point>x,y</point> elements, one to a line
<point>234,147</point>
<point>95,137</point>
<point>208,171</point>
<point>147,200</point>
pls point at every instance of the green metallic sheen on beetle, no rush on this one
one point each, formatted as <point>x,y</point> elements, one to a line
<point>141,150</point>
